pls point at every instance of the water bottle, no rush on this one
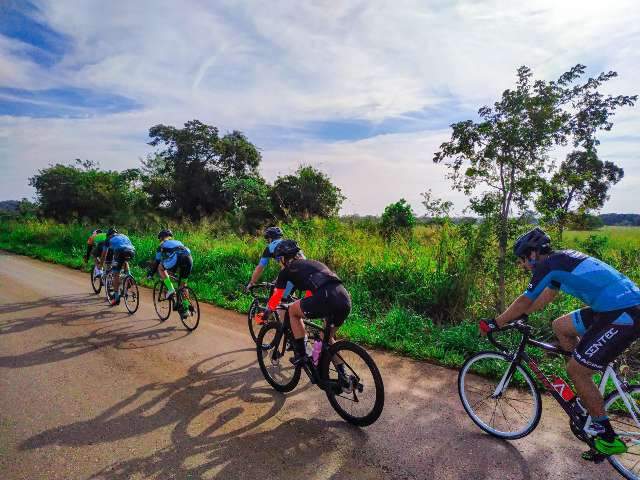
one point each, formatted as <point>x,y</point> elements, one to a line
<point>317,350</point>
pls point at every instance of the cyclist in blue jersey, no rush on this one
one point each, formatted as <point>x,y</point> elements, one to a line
<point>273,236</point>
<point>122,250</point>
<point>596,334</point>
<point>173,256</point>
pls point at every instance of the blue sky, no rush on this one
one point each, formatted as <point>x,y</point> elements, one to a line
<point>363,90</point>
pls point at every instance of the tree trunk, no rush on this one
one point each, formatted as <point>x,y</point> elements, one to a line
<point>502,258</point>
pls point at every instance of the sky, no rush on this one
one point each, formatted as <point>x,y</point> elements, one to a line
<point>363,90</point>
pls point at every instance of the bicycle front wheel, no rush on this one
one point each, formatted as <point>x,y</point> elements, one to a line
<point>506,406</point>
<point>191,317</point>
<point>160,302</point>
<point>355,389</point>
<point>623,422</point>
<point>272,346</point>
<point>254,328</point>
<point>130,294</point>
<point>96,282</point>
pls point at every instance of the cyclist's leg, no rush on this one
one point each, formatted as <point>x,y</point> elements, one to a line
<point>570,327</point>
<point>609,334</point>
<point>184,266</point>
<point>163,272</point>
<point>296,316</point>
<point>118,262</point>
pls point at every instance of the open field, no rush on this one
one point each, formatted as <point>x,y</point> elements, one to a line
<point>420,297</point>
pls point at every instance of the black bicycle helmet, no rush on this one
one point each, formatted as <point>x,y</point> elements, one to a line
<point>273,233</point>
<point>286,249</point>
<point>112,231</point>
<point>164,233</point>
<point>535,239</point>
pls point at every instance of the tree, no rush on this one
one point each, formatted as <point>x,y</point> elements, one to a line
<point>250,199</point>
<point>306,193</point>
<point>397,218</point>
<point>580,185</point>
<point>506,152</point>
<point>82,190</point>
<point>436,207</point>
<point>186,175</point>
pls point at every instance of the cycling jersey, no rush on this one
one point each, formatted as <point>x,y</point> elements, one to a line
<point>267,253</point>
<point>119,242</point>
<point>95,244</point>
<point>594,282</point>
<point>169,253</point>
<point>306,275</point>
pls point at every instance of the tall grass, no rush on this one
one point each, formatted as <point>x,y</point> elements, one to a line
<point>420,296</point>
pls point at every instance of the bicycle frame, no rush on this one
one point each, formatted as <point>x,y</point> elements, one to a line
<point>576,412</point>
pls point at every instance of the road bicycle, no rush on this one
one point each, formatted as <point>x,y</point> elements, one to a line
<point>190,318</point>
<point>261,292</point>
<point>128,288</point>
<point>357,394</point>
<point>500,395</point>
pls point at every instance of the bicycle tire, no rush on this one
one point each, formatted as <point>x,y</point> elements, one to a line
<point>195,316</point>
<point>130,294</point>
<point>266,348</point>
<point>253,326</point>
<point>332,394</point>
<point>464,379</point>
<point>96,290</point>
<point>617,461</point>
<point>108,287</point>
<point>160,302</point>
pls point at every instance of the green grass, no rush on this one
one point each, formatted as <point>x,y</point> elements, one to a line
<point>421,297</point>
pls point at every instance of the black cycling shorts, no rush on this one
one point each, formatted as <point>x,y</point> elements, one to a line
<point>121,256</point>
<point>330,301</point>
<point>183,267</point>
<point>607,335</point>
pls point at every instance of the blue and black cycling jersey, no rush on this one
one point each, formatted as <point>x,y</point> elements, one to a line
<point>597,284</point>
<point>169,252</point>
<point>119,242</point>
<point>267,254</point>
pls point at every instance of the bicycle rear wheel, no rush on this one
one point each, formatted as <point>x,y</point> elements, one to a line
<point>130,294</point>
<point>274,363</point>
<point>192,318</point>
<point>108,287</point>
<point>162,304</point>
<point>358,395</point>
<point>96,282</point>
<point>508,408</point>
<point>627,464</point>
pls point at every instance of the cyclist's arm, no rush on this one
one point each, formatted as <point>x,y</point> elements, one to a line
<point>547,296</point>
<point>278,292</point>
<point>89,247</point>
<point>257,273</point>
<point>517,309</point>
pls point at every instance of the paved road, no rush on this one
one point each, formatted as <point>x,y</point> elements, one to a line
<point>87,391</point>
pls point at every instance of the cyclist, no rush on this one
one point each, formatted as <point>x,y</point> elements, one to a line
<point>123,251</point>
<point>273,236</point>
<point>596,334</point>
<point>95,244</point>
<point>173,256</point>
<point>326,296</point>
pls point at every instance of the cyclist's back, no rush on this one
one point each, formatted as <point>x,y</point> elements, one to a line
<point>119,242</point>
<point>594,282</point>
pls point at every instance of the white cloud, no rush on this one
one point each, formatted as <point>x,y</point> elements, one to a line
<point>257,64</point>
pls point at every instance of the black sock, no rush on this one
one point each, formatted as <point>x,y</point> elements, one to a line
<point>300,347</point>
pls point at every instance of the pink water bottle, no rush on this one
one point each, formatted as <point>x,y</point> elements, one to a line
<point>315,354</point>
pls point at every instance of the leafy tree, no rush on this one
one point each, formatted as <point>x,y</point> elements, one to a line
<point>580,184</point>
<point>250,199</point>
<point>397,218</point>
<point>506,152</point>
<point>306,193</point>
<point>186,175</point>
<point>436,207</point>
<point>82,190</point>
<point>585,221</point>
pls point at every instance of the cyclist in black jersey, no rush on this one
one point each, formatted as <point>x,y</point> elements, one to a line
<point>596,334</point>
<point>326,296</point>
